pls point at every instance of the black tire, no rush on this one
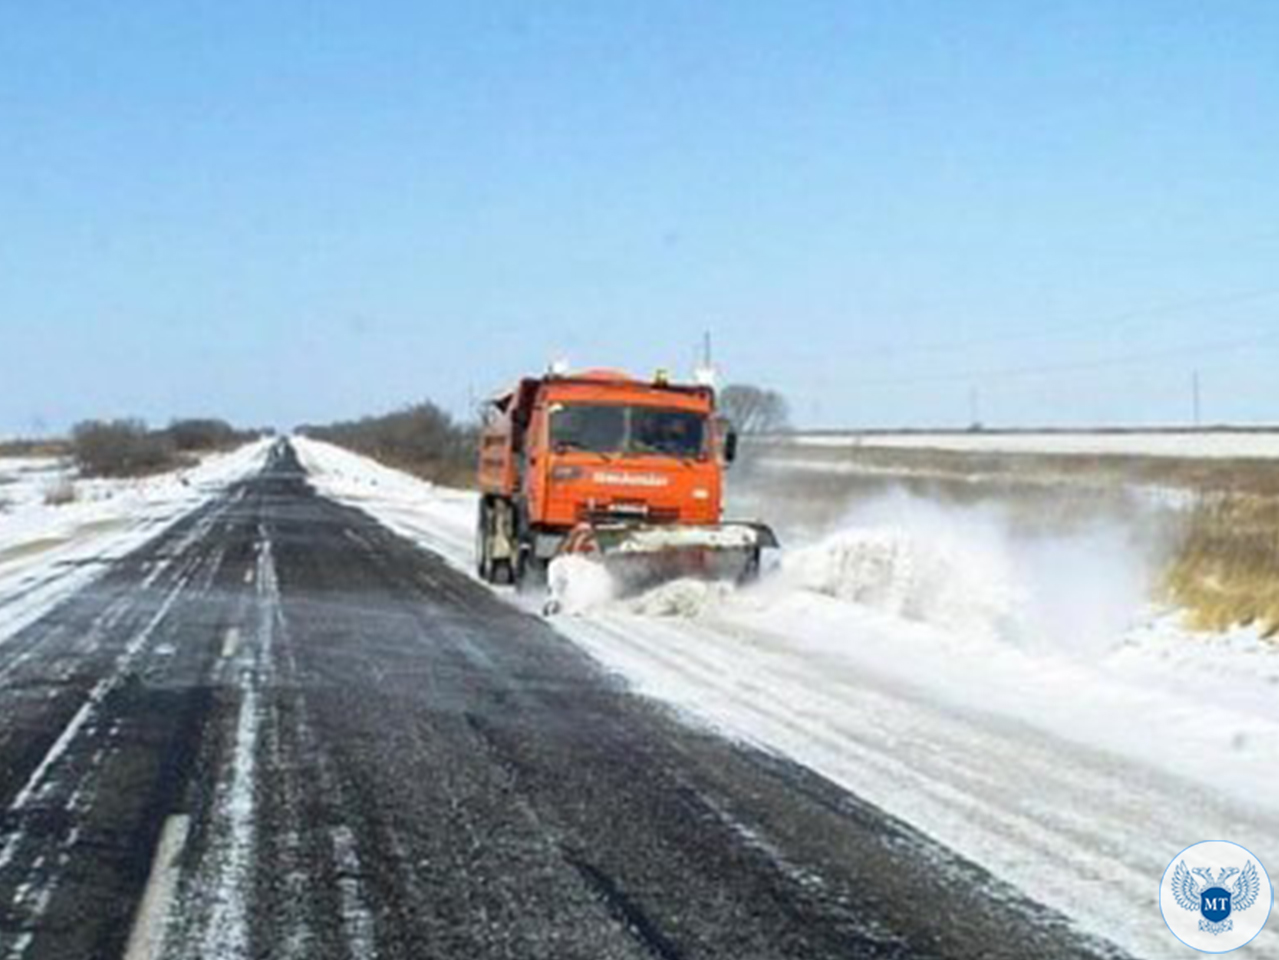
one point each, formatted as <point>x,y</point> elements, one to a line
<point>483,563</point>
<point>530,573</point>
<point>751,571</point>
<point>503,572</point>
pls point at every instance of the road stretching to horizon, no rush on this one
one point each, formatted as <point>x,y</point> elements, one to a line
<point>279,730</point>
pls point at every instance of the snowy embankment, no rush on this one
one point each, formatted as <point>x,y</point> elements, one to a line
<point>1015,698</point>
<point>57,531</point>
<point>1192,444</point>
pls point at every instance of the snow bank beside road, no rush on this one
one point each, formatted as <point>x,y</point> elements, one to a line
<point>48,551</point>
<point>1245,444</point>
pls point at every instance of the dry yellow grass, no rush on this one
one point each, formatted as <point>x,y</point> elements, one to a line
<point>1225,570</point>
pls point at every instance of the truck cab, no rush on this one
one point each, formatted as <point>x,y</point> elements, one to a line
<point>598,450</point>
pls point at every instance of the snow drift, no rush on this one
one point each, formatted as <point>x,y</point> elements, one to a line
<point>981,573</point>
<point>970,571</point>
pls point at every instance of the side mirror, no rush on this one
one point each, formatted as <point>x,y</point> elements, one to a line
<point>730,446</point>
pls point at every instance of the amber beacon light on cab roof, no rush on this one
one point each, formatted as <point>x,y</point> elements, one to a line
<point>627,472</point>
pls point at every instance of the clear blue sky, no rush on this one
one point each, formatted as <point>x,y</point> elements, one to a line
<point>301,211</point>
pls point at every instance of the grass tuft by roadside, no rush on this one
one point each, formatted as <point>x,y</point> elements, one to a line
<point>1225,570</point>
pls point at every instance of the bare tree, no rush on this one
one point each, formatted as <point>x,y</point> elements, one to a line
<point>754,409</point>
<point>204,433</point>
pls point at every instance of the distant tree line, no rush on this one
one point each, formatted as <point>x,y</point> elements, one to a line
<point>35,447</point>
<point>421,439</point>
<point>128,447</point>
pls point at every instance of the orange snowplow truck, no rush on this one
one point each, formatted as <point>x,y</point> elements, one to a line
<point>604,465</point>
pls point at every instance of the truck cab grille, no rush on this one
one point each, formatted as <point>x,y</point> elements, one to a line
<point>627,510</point>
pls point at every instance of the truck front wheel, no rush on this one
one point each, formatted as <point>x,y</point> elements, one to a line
<point>530,573</point>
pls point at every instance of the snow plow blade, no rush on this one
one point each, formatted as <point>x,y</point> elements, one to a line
<point>641,556</point>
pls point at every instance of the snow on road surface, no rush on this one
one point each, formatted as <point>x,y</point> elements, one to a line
<point>1244,444</point>
<point>48,550</point>
<point>1020,702</point>
<point>439,518</point>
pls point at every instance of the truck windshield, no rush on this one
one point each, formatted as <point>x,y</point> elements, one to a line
<point>676,433</point>
<point>598,429</point>
<point>615,429</point>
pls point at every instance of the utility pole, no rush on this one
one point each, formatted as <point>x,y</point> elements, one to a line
<point>974,407</point>
<point>1194,397</point>
<point>706,349</point>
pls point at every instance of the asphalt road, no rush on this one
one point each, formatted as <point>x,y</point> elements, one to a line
<point>279,730</point>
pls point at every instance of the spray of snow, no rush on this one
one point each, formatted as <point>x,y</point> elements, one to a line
<point>975,572</point>
<point>951,584</point>
<point>682,598</point>
<point>579,584</point>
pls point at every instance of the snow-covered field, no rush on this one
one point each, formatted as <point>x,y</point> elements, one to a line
<point>49,549</point>
<point>1214,444</point>
<point>1017,699</point>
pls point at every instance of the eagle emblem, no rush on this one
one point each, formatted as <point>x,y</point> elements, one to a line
<point>1197,890</point>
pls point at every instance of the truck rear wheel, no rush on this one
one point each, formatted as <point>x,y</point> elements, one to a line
<point>491,569</point>
<point>483,563</point>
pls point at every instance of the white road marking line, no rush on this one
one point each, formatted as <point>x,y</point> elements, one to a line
<point>230,642</point>
<point>248,575</point>
<point>357,919</point>
<point>235,835</point>
<point>146,940</point>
